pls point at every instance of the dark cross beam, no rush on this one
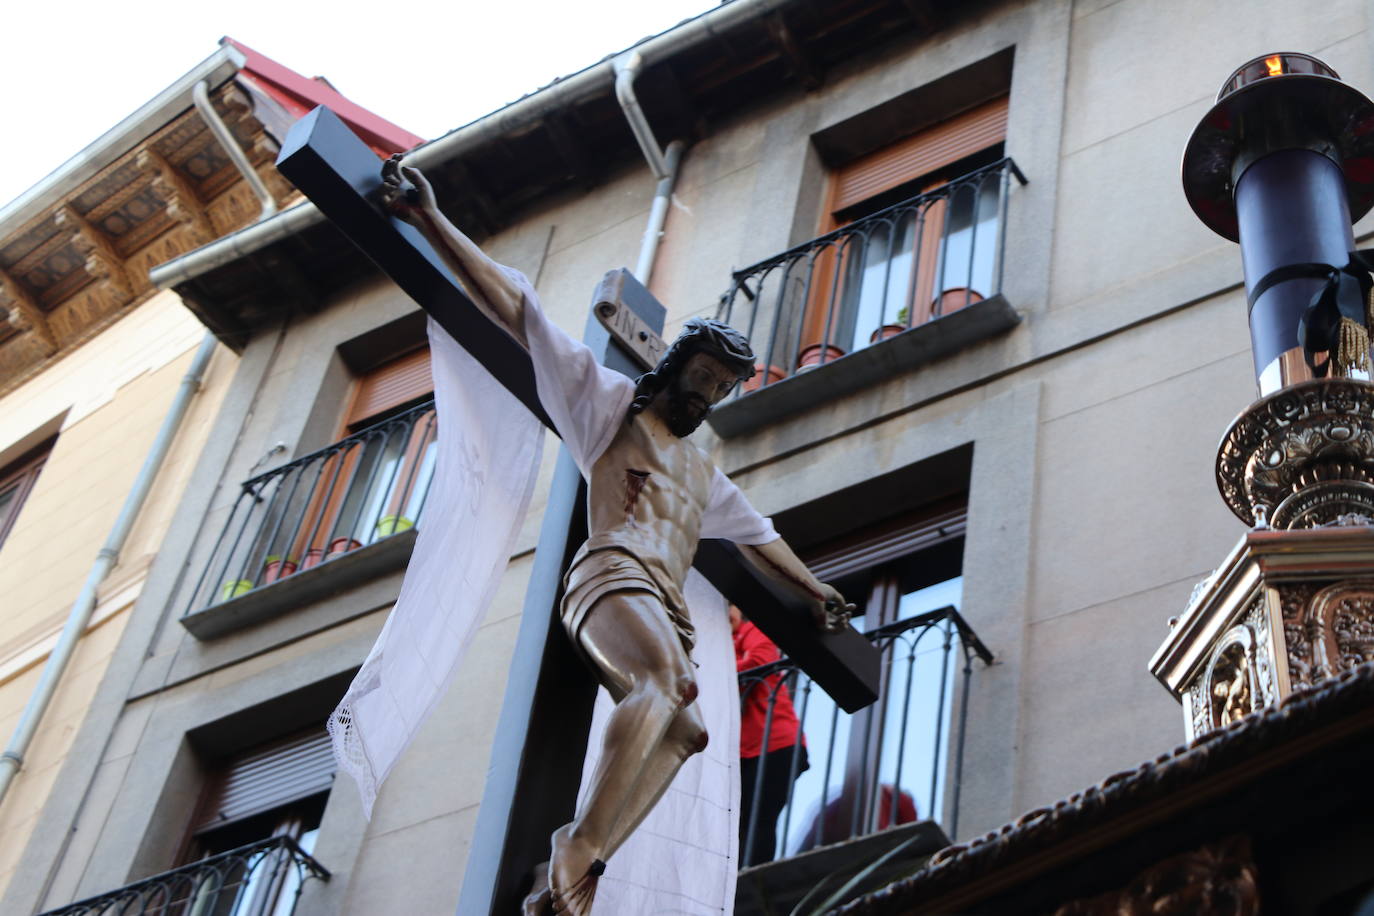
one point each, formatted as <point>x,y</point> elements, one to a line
<point>342,176</point>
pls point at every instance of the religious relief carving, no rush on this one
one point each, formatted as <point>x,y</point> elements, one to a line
<point>1339,626</point>
<point>1231,683</point>
<point>1217,878</point>
<point>1239,678</point>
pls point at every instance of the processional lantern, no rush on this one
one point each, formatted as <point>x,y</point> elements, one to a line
<point>1283,163</point>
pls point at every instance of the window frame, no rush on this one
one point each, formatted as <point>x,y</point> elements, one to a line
<point>388,389</point>
<point>918,163</point>
<point>19,478</point>
<point>875,565</point>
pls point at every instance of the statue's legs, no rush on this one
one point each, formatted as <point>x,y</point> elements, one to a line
<point>642,662</point>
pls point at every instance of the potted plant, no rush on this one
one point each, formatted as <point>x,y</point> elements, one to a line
<point>891,330</point>
<point>233,588</point>
<point>313,557</point>
<point>275,567</point>
<point>340,546</point>
<point>764,376</point>
<point>393,524</point>
<point>810,357</point>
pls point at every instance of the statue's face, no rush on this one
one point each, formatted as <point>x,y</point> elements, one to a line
<point>703,382</point>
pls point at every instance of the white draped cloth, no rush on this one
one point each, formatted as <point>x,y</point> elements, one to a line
<point>682,857</point>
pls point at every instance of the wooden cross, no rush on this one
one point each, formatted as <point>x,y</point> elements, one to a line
<point>342,176</point>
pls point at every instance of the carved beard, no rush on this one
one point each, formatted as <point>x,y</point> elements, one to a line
<point>681,419</point>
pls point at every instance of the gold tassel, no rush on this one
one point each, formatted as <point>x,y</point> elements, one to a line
<point>1352,348</point>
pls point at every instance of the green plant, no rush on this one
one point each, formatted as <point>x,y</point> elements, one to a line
<point>851,887</point>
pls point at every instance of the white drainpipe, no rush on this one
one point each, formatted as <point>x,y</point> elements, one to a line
<point>80,616</point>
<point>664,164</point>
<point>200,95</point>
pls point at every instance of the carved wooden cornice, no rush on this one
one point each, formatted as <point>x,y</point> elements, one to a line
<point>102,261</point>
<point>173,192</point>
<point>183,204</point>
<point>24,313</point>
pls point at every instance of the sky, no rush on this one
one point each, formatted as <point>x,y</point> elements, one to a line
<point>70,72</point>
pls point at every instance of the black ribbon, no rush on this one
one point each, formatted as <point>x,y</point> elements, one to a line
<point>1342,296</point>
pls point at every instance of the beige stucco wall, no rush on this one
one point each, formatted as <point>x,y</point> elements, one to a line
<point>109,397</point>
<point>1092,509</point>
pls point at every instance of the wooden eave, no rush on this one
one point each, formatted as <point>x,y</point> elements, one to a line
<point>84,260</point>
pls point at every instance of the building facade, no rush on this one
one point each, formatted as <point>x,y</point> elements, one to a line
<point>997,352</point>
<point>93,356</point>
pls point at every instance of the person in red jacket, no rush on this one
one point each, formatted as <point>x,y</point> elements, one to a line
<point>771,753</point>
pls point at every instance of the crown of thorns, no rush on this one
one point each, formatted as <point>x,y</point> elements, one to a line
<point>699,335</point>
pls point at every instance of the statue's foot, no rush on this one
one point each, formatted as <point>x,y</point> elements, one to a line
<point>538,901</point>
<point>574,871</point>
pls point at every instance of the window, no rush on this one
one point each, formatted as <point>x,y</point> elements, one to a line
<point>377,487</point>
<point>16,482</point>
<point>912,240</point>
<point>277,790</point>
<point>888,764</point>
<point>367,486</point>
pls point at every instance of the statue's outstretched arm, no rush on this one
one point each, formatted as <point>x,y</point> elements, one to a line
<point>776,559</point>
<point>491,289</point>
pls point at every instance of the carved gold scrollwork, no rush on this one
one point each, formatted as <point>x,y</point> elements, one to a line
<point>1217,878</point>
<point>1339,626</point>
<point>1302,457</point>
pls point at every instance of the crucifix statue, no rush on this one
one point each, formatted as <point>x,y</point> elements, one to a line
<point>651,494</point>
<point>656,505</point>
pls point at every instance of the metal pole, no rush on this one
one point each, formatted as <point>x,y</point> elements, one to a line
<point>13,757</point>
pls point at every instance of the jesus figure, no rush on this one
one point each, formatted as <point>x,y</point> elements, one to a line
<point>651,496</point>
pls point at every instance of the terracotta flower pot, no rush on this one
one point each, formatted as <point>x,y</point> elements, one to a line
<point>886,331</point>
<point>764,377</point>
<point>955,298</point>
<point>277,569</point>
<point>313,557</point>
<point>810,357</point>
<point>340,546</point>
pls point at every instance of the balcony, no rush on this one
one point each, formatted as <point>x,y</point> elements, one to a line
<point>351,508</point>
<point>261,879</point>
<point>882,787</point>
<point>894,290</point>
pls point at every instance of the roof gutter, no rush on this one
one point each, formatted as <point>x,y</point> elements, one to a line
<point>216,69</point>
<point>521,113</point>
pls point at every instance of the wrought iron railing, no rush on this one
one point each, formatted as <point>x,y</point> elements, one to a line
<point>893,763</point>
<point>362,489</point>
<point>261,879</point>
<point>876,277</point>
